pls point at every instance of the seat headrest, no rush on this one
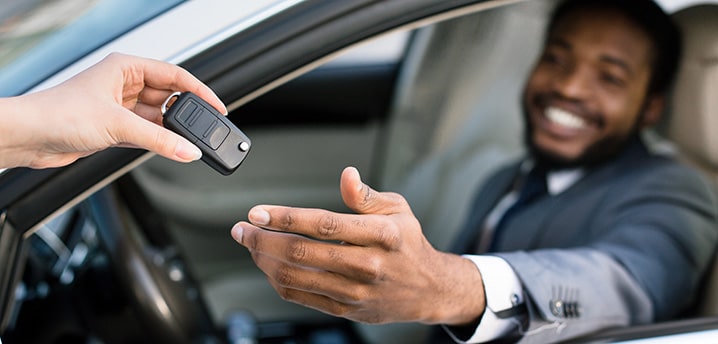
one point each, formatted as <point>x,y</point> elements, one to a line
<point>693,122</point>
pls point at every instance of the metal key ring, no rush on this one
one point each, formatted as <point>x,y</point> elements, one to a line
<point>164,105</point>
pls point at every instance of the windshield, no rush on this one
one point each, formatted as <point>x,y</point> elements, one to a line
<point>40,37</point>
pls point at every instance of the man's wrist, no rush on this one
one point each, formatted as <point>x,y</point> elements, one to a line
<point>505,313</point>
<point>461,294</point>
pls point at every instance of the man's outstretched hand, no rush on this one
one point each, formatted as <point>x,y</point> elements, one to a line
<point>374,266</point>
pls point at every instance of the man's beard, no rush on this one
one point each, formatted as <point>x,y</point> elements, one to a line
<point>595,154</point>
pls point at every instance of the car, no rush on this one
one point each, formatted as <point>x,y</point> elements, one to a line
<point>420,95</point>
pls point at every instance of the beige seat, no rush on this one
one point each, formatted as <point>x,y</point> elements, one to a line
<point>457,114</point>
<point>693,127</point>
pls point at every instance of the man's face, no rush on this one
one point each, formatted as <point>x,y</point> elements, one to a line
<point>587,92</point>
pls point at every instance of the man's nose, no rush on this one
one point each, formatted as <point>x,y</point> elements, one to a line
<point>573,84</point>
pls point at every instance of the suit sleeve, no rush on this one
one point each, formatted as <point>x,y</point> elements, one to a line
<point>657,238</point>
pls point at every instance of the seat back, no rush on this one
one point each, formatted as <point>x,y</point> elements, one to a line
<point>457,114</point>
<point>695,98</point>
<point>693,127</point>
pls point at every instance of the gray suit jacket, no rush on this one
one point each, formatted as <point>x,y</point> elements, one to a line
<point>627,244</point>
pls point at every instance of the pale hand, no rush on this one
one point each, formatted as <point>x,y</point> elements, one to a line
<point>113,103</point>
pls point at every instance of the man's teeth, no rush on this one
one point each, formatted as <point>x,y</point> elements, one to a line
<point>565,118</point>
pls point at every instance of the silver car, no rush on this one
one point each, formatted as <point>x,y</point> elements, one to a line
<point>420,95</point>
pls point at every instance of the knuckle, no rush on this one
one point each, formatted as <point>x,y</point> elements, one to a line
<point>395,197</point>
<point>389,236</point>
<point>368,195</point>
<point>335,255</point>
<point>251,241</point>
<point>341,310</point>
<point>328,226</point>
<point>355,296</point>
<point>398,200</point>
<point>284,276</point>
<point>372,269</point>
<point>297,250</point>
<point>287,219</point>
<point>359,223</point>
<point>161,139</point>
<point>284,293</point>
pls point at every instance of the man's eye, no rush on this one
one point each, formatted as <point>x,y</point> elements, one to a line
<point>552,59</point>
<point>612,79</point>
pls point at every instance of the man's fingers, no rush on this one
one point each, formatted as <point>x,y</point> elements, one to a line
<point>315,281</point>
<point>293,275</point>
<point>362,230</point>
<point>349,260</point>
<point>319,302</point>
<point>365,200</point>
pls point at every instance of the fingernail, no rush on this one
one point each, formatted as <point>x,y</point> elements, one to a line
<point>360,185</point>
<point>259,216</point>
<point>238,232</point>
<point>188,152</point>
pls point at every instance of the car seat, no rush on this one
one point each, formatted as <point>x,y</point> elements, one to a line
<point>693,125</point>
<point>456,118</point>
<point>457,114</point>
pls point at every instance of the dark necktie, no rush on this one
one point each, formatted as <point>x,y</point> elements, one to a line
<point>533,187</point>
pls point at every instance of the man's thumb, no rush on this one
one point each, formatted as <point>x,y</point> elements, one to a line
<point>364,200</point>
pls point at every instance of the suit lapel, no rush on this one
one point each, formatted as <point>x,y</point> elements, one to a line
<point>484,201</point>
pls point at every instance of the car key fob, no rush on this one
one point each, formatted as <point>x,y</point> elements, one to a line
<point>223,145</point>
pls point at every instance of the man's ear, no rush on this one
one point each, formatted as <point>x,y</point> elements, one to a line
<point>653,110</point>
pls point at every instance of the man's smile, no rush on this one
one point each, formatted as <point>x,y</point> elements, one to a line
<point>559,122</point>
<point>565,118</point>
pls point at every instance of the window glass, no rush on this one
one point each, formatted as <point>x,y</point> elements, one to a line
<point>40,37</point>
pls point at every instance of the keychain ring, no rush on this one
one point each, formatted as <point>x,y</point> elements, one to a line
<point>164,105</point>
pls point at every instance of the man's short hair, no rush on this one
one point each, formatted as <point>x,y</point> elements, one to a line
<point>664,34</point>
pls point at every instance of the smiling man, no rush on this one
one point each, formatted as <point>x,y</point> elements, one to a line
<point>589,231</point>
<point>591,89</point>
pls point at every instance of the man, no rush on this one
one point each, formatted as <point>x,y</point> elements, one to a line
<point>612,235</point>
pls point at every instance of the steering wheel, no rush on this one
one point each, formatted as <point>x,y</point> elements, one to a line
<point>151,269</point>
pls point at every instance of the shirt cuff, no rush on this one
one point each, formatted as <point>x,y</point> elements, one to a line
<point>505,303</point>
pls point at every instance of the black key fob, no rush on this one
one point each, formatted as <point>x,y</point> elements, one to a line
<point>223,145</point>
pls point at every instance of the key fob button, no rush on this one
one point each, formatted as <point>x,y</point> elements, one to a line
<point>215,135</point>
<point>187,115</point>
<point>210,130</point>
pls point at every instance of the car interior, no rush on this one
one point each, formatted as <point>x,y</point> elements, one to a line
<point>694,109</point>
<point>430,123</point>
<point>429,127</point>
